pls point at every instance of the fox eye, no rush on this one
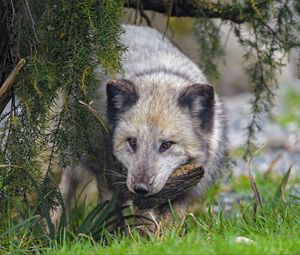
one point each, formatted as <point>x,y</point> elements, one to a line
<point>132,143</point>
<point>166,145</point>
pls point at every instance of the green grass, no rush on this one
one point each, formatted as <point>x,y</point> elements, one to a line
<point>193,243</point>
<point>291,107</point>
<point>274,229</point>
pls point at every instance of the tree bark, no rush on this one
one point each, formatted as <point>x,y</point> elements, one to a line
<point>205,9</point>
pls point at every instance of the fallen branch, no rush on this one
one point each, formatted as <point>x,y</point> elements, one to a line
<point>7,85</point>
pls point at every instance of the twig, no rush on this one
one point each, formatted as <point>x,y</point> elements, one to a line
<point>97,116</point>
<point>145,17</point>
<point>227,36</point>
<point>13,12</point>
<point>169,11</point>
<point>8,165</point>
<point>136,12</point>
<point>7,85</point>
<point>29,15</point>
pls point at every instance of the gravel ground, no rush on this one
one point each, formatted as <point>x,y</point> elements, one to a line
<point>281,145</point>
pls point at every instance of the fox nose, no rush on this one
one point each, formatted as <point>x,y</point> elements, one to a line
<point>140,189</point>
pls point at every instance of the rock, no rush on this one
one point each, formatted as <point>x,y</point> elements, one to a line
<point>244,240</point>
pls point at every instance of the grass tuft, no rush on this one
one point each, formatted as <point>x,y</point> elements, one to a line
<point>211,229</point>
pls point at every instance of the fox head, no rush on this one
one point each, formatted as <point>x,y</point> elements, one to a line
<point>158,127</point>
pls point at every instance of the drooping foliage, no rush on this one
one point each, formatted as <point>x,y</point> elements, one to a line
<point>62,42</point>
<point>269,33</point>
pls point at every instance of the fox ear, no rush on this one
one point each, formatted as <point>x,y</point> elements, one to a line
<point>121,95</point>
<point>199,99</point>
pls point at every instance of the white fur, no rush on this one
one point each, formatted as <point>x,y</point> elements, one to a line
<point>151,62</point>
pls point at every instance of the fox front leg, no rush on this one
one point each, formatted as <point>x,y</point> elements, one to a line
<point>155,220</point>
<point>172,215</point>
<point>146,221</point>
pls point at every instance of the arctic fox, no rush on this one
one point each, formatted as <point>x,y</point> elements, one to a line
<point>163,114</point>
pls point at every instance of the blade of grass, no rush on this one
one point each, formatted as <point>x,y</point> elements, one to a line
<point>27,222</point>
<point>44,204</point>
<point>256,194</point>
<point>273,163</point>
<point>100,220</point>
<point>88,220</point>
<point>132,216</point>
<point>279,194</point>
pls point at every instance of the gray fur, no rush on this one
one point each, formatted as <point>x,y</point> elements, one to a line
<point>160,72</point>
